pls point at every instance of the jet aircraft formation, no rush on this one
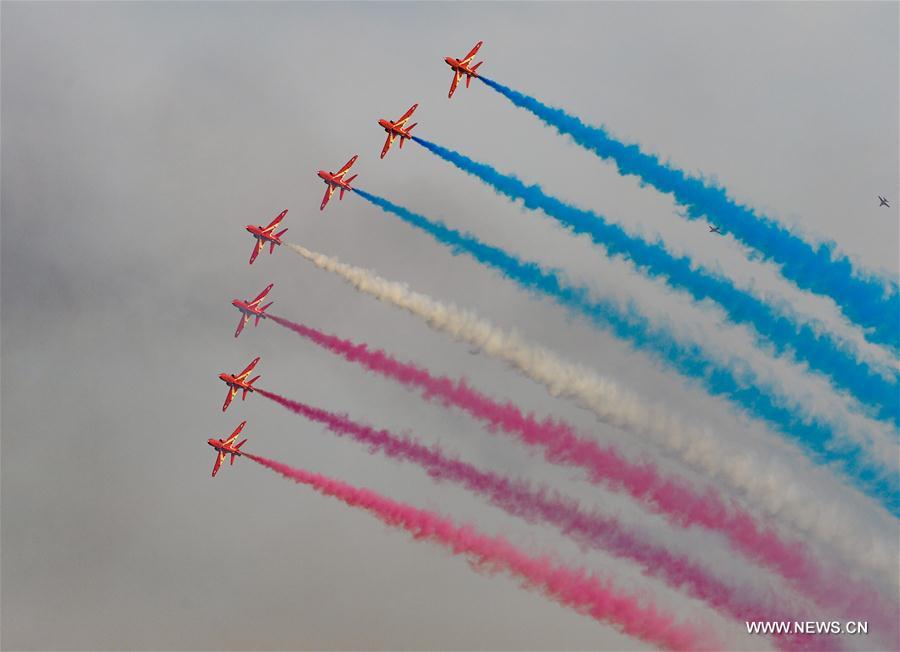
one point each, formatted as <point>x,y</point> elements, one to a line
<point>267,236</point>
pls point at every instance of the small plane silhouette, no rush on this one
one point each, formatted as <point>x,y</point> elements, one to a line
<point>714,229</point>
<point>884,202</point>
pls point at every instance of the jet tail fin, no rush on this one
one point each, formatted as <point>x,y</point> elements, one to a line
<point>410,127</point>
<point>343,189</point>
<point>237,447</point>
<point>261,311</point>
<point>249,388</point>
<point>475,67</point>
<point>281,233</point>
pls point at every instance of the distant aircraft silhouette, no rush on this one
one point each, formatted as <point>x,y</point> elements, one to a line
<point>884,202</point>
<point>714,229</point>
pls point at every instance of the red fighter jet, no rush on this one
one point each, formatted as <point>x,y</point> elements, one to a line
<point>335,180</point>
<point>252,309</point>
<point>266,234</point>
<point>226,447</point>
<point>239,382</point>
<point>395,129</point>
<point>461,67</point>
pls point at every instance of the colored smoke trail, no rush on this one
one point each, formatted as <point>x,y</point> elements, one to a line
<point>572,587</point>
<point>519,499</point>
<point>817,349</point>
<point>733,381</point>
<point>776,491</point>
<point>865,299</point>
<point>562,445</point>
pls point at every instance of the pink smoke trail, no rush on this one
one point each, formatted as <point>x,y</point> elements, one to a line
<point>532,505</point>
<point>678,501</point>
<point>572,587</point>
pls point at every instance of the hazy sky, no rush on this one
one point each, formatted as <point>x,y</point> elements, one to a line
<point>138,139</point>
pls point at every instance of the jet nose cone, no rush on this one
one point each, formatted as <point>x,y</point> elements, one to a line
<point>448,61</point>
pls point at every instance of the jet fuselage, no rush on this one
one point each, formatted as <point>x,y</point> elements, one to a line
<point>232,381</point>
<point>259,233</point>
<point>331,180</point>
<point>247,310</point>
<point>456,64</point>
<point>391,128</point>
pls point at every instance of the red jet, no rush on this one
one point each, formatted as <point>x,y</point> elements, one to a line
<point>225,447</point>
<point>252,309</point>
<point>335,180</point>
<point>461,67</point>
<point>266,234</point>
<point>239,382</point>
<point>395,129</point>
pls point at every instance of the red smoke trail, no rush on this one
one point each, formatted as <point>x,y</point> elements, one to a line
<point>572,587</point>
<point>678,501</point>
<point>587,529</point>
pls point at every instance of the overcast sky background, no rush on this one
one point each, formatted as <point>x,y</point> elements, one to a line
<point>139,139</point>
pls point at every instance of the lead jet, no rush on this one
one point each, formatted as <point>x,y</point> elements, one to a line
<point>226,447</point>
<point>252,309</point>
<point>395,129</point>
<point>239,382</point>
<point>714,229</point>
<point>335,180</point>
<point>461,67</point>
<point>884,202</point>
<point>266,234</point>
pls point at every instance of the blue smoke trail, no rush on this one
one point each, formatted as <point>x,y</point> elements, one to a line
<point>867,300</point>
<point>740,386</point>
<point>820,351</point>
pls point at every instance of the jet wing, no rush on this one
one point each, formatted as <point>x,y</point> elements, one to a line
<point>219,459</point>
<point>405,116</point>
<point>456,77</point>
<point>346,167</point>
<point>329,191</point>
<point>261,295</point>
<point>235,434</point>
<point>256,250</point>
<point>244,319</point>
<point>237,431</point>
<point>232,392</point>
<point>387,144</point>
<point>246,372</point>
<point>471,54</point>
<point>276,221</point>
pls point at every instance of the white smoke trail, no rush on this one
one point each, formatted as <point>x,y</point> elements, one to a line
<point>773,488</point>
